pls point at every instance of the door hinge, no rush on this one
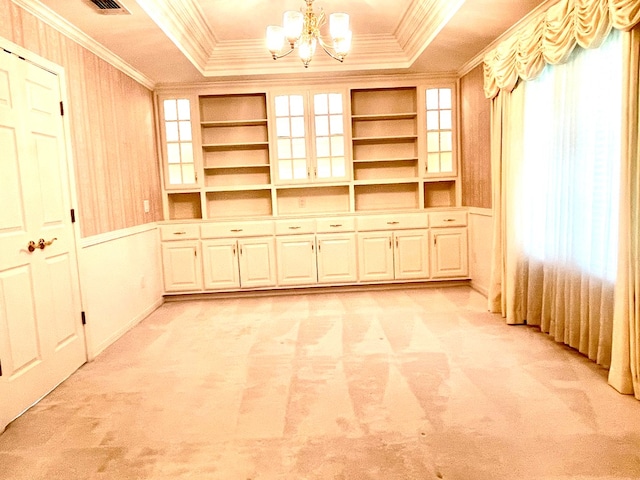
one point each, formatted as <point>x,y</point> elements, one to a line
<point>73,216</point>
<point>61,109</point>
<point>84,318</point>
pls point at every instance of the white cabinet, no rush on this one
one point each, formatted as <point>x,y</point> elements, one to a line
<point>310,130</point>
<point>375,256</point>
<point>181,257</point>
<point>296,260</point>
<point>449,250</point>
<point>182,269</point>
<point>402,255</point>
<point>411,256</point>
<point>336,258</point>
<point>244,263</point>
<point>449,253</point>
<point>393,247</point>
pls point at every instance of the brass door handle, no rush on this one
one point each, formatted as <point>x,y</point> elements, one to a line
<point>31,246</point>
<point>42,243</point>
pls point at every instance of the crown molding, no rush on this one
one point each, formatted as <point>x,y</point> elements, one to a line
<point>51,18</point>
<point>185,25</point>
<point>374,52</point>
<point>420,24</point>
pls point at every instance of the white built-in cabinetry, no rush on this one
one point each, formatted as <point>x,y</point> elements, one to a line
<point>338,250</point>
<point>303,186</point>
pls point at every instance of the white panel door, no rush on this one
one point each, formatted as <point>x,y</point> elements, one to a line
<point>257,262</point>
<point>182,267</point>
<point>412,255</point>
<point>220,261</point>
<point>337,262</point>
<point>41,334</point>
<point>449,258</point>
<point>375,255</point>
<point>297,260</point>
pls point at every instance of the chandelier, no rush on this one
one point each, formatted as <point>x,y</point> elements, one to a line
<point>302,30</point>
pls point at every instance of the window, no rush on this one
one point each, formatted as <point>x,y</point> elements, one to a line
<point>439,110</point>
<point>329,133</point>
<point>570,175</point>
<point>179,142</point>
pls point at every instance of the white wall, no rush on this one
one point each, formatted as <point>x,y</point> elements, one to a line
<point>480,240</point>
<point>121,282</point>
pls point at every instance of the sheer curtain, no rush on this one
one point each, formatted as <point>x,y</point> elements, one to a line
<point>563,198</point>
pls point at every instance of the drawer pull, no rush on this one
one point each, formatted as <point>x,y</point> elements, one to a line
<point>179,233</point>
<point>294,228</point>
<point>335,225</point>
<point>235,230</point>
<point>449,220</point>
<point>392,223</point>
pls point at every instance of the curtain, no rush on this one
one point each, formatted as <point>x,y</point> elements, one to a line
<point>551,36</point>
<point>565,199</point>
<point>624,374</point>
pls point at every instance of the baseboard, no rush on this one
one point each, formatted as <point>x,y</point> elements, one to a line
<point>125,328</point>
<point>314,289</point>
<point>480,288</point>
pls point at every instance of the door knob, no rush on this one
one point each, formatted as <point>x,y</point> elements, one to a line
<point>42,243</point>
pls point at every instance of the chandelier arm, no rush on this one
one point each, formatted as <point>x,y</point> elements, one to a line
<point>276,56</point>
<point>327,49</point>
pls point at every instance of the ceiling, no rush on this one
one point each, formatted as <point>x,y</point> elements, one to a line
<point>195,41</point>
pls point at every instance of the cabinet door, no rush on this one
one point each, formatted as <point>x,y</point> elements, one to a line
<point>297,260</point>
<point>449,257</point>
<point>375,256</point>
<point>411,255</point>
<point>337,258</point>
<point>181,266</point>
<point>257,262</point>
<point>220,260</point>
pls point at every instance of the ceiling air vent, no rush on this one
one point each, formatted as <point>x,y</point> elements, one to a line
<point>108,7</point>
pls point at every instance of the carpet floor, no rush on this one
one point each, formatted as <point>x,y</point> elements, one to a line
<point>397,384</point>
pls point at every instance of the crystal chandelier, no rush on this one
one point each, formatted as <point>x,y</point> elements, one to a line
<point>302,30</point>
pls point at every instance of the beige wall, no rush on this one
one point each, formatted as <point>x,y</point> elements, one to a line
<point>112,134</point>
<point>475,141</point>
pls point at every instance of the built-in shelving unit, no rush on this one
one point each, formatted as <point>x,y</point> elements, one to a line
<point>400,153</point>
<point>385,148</point>
<point>235,155</point>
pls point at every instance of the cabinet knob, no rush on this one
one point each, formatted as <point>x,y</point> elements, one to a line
<point>335,225</point>
<point>179,233</point>
<point>235,230</point>
<point>392,223</point>
<point>296,227</point>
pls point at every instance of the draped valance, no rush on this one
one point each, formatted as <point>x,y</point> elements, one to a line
<point>551,36</point>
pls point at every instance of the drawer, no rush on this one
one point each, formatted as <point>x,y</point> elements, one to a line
<point>179,232</point>
<point>232,229</point>
<point>392,222</point>
<point>448,219</point>
<point>294,227</point>
<point>335,224</point>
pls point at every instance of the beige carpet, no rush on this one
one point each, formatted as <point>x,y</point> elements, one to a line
<point>404,384</point>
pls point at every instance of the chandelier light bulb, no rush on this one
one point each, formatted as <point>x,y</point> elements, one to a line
<point>293,23</point>
<point>275,39</point>
<point>338,25</point>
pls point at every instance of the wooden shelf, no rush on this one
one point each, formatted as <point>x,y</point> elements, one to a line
<point>211,147</point>
<point>386,181</point>
<point>237,188</point>
<point>235,167</point>
<point>376,160</point>
<point>394,139</point>
<point>384,116</point>
<point>234,123</point>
